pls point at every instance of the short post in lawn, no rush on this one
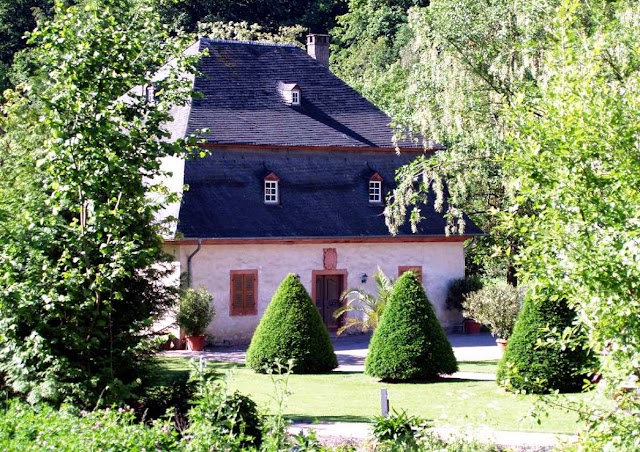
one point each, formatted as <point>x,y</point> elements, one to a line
<point>384,402</point>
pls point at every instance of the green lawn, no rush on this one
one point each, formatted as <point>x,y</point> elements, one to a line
<point>483,367</point>
<point>354,397</point>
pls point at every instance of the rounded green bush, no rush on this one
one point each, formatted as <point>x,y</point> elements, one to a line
<point>534,365</point>
<point>239,414</point>
<point>409,342</point>
<point>291,328</point>
<point>195,311</point>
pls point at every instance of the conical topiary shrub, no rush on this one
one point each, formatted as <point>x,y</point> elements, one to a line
<point>291,328</point>
<point>409,342</point>
<point>533,365</point>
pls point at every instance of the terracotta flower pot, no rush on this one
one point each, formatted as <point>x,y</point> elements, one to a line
<point>471,327</point>
<point>502,345</point>
<point>196,343</point>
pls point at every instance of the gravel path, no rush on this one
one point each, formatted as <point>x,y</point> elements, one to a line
<point>352,351</point>
<point>360,434</point>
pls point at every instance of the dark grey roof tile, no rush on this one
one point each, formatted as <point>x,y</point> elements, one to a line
<point>241,102</point>
<point>323,194</point>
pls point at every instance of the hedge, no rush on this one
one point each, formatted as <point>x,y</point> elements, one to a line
<point>531,363</point>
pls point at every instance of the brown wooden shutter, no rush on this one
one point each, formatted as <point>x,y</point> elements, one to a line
<point>244,292</point>
<point>237,295</point>
<point>249,294</point>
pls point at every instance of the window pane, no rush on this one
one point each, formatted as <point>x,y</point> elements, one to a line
<point>375,191</point>
<point>271,191</point>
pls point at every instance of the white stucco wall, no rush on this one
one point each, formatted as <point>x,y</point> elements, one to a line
<point>210,267</point>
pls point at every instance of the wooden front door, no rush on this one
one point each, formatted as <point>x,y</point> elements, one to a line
<point>328,290</point>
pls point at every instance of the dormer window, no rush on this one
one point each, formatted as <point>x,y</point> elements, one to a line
<point>290,93</point>
<point>375,189</point>
<point>271,189</point>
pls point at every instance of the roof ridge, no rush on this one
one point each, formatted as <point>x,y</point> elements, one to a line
<point>259,43</point>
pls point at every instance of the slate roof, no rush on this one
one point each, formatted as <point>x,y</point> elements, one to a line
<point>241,102</point>
<point>322,194</point>
<point>323,151</point>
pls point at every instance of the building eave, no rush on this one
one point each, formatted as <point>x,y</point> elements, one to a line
<point>274,147</point>
<point>319,240</point>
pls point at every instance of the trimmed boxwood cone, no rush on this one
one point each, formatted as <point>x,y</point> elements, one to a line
<point>291,328</point>
<point>409,342</point>
<point>530,364</point>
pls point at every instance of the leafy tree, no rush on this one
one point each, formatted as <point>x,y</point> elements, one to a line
<point>80,279</point>
<point>468,61</point>
<point>291,328</point>
<point>409,342</point>
<point>243,31</point>
<point>536,103</point>
<point>445,71</point>
<point>575,161</point>
<point>368,41</point>
<point>16,18</point>
<point>316,15</point>
<point>367,307</point>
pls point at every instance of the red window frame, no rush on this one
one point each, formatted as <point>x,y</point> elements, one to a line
<point>416,268</point>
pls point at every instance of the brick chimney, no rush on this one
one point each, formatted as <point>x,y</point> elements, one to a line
<point>318,48</point>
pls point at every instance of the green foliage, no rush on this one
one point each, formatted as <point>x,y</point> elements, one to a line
<point>195,311</point>
<point>32,428</point>
<point>367,307</point>
<point>80,249</point>
<point>612,424</point>
<point>17,17</point>
<point>318,16</point>
<point>163,390</point>
<point>537,105</point>
<point>536,363</point>
<point>220,418</point>
<point>409,342</point>
<point>464,63</point>
<point>368,41</point>
<point>458,290</point>
<point>291,328</point>
<point>496,306</point>
<point>243,31</point>
<point>575,163</point>
<point>399,429</point>
<point>433,442</point>
<point>307,442</point>
<point>275,426</point>
<point>402,432</point>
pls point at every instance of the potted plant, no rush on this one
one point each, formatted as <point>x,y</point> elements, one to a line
<point>496,306</point>
<point>195,312</point>
<point>458,290</point>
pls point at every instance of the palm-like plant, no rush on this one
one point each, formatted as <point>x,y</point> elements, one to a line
<point>370,306</point>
